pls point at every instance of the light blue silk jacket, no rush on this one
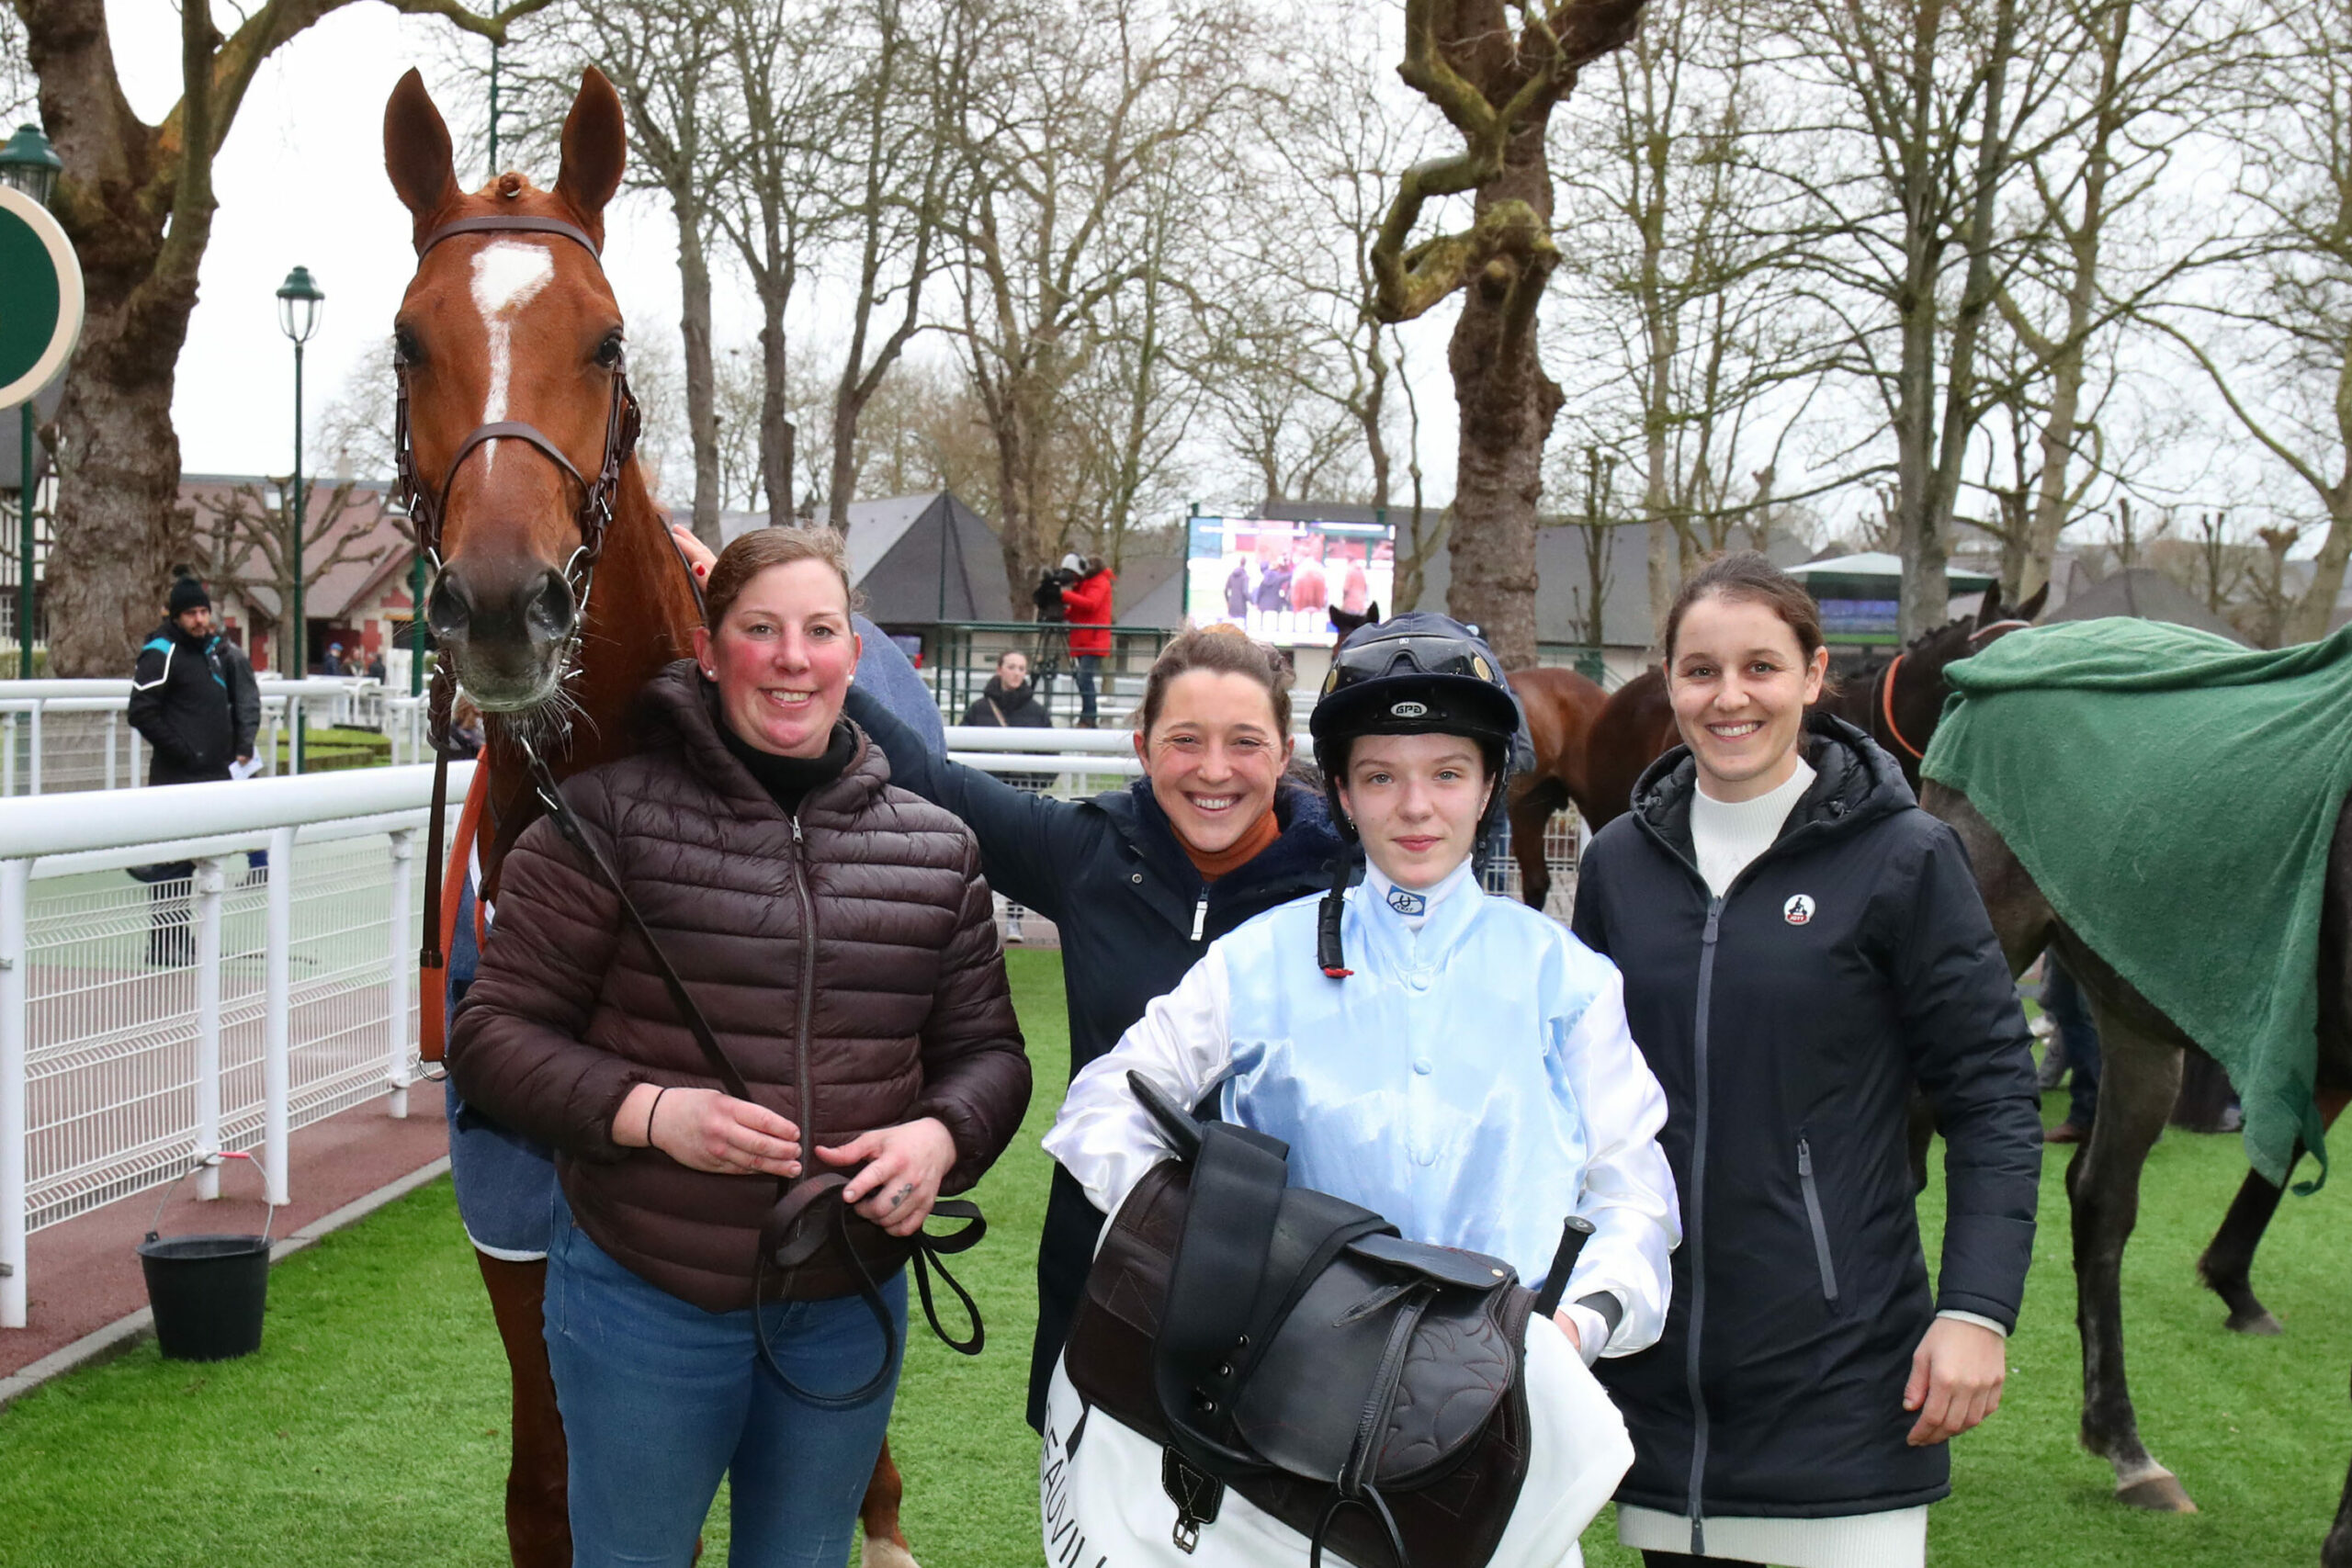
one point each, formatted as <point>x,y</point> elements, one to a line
<point>1473,1081</point>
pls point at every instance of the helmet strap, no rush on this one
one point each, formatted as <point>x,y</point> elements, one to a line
<point>1327,924</point>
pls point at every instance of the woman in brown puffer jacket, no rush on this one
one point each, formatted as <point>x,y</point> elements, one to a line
<point>836,933</point>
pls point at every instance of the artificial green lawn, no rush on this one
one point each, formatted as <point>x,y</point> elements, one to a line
<point>370,1429</point>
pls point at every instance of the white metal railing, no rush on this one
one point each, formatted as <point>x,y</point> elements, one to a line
<point>143,1025</point>
<point>59,736</point>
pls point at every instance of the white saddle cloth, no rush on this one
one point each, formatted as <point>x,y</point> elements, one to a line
<point>1103,1507</point>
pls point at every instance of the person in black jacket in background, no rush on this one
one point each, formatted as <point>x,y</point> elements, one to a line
<point>1010,702</point>
<point>180,704</point>
<point>1799,944</point>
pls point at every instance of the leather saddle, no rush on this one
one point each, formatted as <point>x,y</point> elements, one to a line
<point>1365,1388</point>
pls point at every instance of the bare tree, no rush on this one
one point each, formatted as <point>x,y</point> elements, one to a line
<point>912,66</point>
<point>2274,333</point>
<point>243,538</point>
<point>1685,311</point>
<point>668,61</point>
<point>138,202</point>
<point>1496,69</point>
<point>771,193</point>
<point>1069,115</point>
<point>1927,105</point>
<point>2147,76</point>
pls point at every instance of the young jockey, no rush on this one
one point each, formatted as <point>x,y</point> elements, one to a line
<point>1459,1064</point>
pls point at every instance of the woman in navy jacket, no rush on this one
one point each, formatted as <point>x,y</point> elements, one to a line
<point>1801,944</point>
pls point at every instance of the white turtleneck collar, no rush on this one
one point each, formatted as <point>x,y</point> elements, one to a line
<point>1727,835</point>
<point>1414,905</point>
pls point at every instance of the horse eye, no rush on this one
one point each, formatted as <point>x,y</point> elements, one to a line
<point>406,350</point>
<point>608,352</point>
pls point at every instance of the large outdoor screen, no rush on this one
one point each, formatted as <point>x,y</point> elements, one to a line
<point>1279,581</point>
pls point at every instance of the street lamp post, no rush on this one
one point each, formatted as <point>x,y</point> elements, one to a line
<point>300,305</point>
<point>28,163</point>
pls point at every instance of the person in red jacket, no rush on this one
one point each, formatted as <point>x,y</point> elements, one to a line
<point>1089,603</point>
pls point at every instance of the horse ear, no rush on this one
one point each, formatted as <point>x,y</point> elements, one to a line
<point>595,148</point>
<point>416,151</point>
<point>2031,609</point>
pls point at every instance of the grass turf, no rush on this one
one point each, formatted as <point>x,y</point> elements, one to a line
<point>371,1428</point>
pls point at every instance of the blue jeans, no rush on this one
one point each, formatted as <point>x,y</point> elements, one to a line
<point>661,1398</point>
<point>1088,666</point>
<point>2070,1016</point>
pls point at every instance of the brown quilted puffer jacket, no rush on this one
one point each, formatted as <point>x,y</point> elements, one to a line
<point>855,945</point>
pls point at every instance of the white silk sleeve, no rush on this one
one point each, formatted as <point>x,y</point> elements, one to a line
<point>1629,1192</point>
<point>1103,1136</point>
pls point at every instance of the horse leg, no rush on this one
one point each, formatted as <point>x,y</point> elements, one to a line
<point>2336,1551</point>
<point>2228,1263</point>
<point>2136,1093</point>
<point>1530,810</point>
<point>886,1541</point>
<point>538,1523</point>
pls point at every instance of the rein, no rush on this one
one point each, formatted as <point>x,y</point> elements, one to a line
<point>1886,685</point>
<point>1886,708</point>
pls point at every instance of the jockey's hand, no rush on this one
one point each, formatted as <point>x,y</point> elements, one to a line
<point>1568,1327</point>
<point>904,1166</point>
<point>703,1129</point>
<point>1956,1376</point>
<point>698,555</point>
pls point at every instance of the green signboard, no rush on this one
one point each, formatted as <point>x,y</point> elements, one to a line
<point>40,297</point>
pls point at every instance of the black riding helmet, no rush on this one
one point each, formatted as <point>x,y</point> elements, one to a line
<point>1421,673</point>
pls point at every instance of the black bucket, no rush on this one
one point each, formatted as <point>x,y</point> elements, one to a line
<point>208,1291</point>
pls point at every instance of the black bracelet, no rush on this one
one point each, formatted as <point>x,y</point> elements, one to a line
<point>652,1111</point>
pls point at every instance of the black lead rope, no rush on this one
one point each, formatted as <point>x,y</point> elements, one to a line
<point>808,1211</point>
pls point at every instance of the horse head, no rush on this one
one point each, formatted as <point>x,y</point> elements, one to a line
<point>516,419</point>
<point>1907,694</point>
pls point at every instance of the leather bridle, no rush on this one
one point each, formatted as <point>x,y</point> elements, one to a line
<point>1886,685</point>
<point>428,507</point>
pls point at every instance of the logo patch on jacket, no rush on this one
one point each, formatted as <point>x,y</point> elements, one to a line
<point>1798,910</point>
<point>1405,903</point>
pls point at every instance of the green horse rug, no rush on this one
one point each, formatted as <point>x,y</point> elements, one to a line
<point>2174,797</point>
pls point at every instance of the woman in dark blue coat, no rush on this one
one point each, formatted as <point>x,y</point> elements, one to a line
<point>1801,944</point>
<point>1142,879</point>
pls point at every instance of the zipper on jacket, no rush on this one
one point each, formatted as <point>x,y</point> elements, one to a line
<point>807,1078</point>
<point>1201,915</point>
<point>1696,1213</point>
<point>1813,1217</point>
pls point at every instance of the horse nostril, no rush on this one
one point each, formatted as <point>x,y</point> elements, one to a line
<point>446,609</point>
<point>548,612</point>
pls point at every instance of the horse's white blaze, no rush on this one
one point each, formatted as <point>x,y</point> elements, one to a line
<point>508,275</point>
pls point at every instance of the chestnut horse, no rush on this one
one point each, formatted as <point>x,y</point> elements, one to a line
<point>556,593</point>
<point>1561,706</point>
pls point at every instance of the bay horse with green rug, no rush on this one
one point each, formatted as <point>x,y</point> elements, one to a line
<point>2167,809</point>
<point>556,596</point>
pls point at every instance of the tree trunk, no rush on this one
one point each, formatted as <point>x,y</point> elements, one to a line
<point>119,528</point>
<point>776,416</point>
<point>1507,405</point>
<point>702,376</point>
<point>849,404</point>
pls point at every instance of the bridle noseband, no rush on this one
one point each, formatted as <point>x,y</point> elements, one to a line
<point>427,508</point>
<point>1887,685</point>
